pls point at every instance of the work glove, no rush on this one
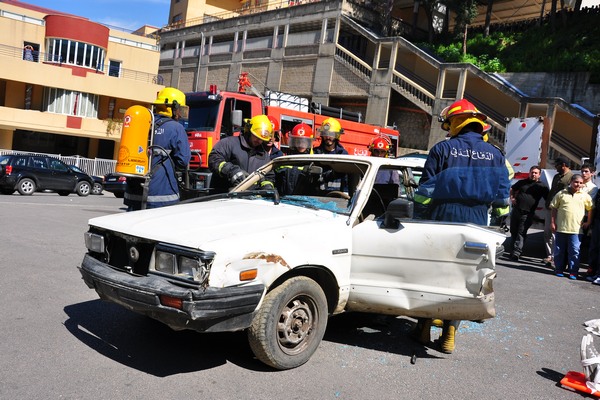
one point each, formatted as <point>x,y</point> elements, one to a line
<point>267,185</point>
<point>233,173</point>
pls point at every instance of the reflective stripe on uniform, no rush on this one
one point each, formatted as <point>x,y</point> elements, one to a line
<point>163,198</point>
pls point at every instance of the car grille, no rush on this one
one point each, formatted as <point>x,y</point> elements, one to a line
<point>129,253</point>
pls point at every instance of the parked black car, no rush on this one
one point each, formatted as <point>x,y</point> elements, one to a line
<point>98,180</point>
<point>115,184</point>
<point>28,173</point>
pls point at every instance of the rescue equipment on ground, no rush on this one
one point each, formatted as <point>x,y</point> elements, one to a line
<point>588,381</point>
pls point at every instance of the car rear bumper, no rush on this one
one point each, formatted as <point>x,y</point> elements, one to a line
<point>8,182</point>
<point>203,309</point>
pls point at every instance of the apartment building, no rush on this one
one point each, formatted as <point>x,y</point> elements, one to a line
<point>66,81</point>
<point>334,53</point>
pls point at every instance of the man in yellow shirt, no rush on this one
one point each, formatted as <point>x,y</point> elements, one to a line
<point>568,208</point>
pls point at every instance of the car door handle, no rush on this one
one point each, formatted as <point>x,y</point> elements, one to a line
<point>476,247</point>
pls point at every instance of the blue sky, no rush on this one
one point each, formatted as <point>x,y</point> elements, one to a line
<point>127,14</point>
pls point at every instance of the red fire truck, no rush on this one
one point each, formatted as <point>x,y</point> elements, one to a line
<point>216,114</point>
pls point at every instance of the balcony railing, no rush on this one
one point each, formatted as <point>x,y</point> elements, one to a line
<point>244,10</point>
<point>37,56</point>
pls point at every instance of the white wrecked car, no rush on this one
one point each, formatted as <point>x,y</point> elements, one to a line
<point>279,264</point>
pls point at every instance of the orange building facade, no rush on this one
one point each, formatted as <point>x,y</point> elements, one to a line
<point>66,81</point>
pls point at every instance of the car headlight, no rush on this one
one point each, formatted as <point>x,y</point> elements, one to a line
<point>94,242</point>
<point>182,262</point>
<point>166,262</point>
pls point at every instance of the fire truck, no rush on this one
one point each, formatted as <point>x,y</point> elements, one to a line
<point>216,114</point>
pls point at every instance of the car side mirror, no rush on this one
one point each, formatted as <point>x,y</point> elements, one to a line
<point>236,118</point>
<point>397,209</point>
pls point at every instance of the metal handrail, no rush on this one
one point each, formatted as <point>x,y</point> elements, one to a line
<point>41,57</point>
<point>355,63</point>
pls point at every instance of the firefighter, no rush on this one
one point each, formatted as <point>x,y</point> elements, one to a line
<point>300,139</point>
<point>463,176</point>
<point>287,177</point>
<point>380,147</point>
<point>330,133</point>
<point>273,150</point>
<point>170,150</point>
<point>235,157</point>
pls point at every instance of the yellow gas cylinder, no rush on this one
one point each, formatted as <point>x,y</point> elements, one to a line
<point>133,152</point>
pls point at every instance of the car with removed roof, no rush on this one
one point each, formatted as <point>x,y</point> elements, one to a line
<point>278,262</point>
<point>30,173</point>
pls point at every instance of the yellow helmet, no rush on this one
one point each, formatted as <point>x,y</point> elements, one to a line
<point>170,98</point>
<point>331,127</point>
<point>460,114</point>
<point>260,126</point>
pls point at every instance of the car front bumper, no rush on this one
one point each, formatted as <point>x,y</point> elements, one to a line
<point>204,309</point>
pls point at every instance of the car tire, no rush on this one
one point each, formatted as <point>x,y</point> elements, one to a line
<point>83,188</point>
<point>119,195</point>
<point>26,187</point>
<point>290,324</point>
<point>97,189</point>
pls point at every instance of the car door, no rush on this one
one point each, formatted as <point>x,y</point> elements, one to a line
<point>38,166</point>
<point>423,269</point>
<point>62,177</point>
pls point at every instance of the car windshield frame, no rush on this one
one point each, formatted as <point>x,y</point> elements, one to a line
<point>310,196</point>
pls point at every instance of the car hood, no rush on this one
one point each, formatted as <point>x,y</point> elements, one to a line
<point>197,225</point>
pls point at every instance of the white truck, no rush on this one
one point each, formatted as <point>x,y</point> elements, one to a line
<point>278,265</point>
<point>523,147</point>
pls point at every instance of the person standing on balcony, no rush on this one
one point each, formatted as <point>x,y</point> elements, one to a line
<point>28,53</point>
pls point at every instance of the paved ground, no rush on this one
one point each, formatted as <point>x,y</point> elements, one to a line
<point>59,341</point>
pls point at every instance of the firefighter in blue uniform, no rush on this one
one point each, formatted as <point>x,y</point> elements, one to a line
<point>170,150</point>
<point>463,176</point>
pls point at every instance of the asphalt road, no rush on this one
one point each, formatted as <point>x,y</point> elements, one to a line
<point>59,341</point>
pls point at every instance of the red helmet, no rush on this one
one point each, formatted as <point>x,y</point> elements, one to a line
<point>380,145</point>
<point>461,108</point>
<point>301,136</point>
<point>274,122</point>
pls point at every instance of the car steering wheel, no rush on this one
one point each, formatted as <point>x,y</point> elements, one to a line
<point>337,193</point>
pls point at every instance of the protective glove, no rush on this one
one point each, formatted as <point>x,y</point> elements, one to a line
<point>267,185</point>
<point>234,173</point>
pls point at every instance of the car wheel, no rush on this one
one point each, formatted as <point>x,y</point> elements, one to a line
<point>26,186</point>
<point>83,188</point>
<point>119,195</point>
<point>290,324</point>
<point>97,189</point>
